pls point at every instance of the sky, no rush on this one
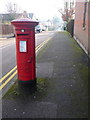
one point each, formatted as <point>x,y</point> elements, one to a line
<point>43,9</point>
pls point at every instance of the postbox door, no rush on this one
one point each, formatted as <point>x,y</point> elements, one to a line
<point>26,56</point>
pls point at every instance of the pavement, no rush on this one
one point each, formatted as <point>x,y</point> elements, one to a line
<point>2,37</point>
<point>62,84</point>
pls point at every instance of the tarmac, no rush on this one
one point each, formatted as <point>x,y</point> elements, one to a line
<point>62,84</point>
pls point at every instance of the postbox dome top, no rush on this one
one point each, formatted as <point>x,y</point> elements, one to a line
<point>24,21</point>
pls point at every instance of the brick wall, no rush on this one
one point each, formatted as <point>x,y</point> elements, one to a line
<point>79,33</point>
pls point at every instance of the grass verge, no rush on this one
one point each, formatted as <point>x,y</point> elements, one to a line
<point>36,92</point>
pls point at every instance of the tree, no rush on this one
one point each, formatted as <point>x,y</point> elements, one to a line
<point>56,22</point>
<point>24,15</point>
<point>12,10</point>
<point>67,14</point>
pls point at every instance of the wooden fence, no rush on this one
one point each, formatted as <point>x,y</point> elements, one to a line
<point>6,29</point>
<point>70,27</point>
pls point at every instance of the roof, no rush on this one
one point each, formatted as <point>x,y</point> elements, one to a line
<point>8,17</point>
<point>30,15</point>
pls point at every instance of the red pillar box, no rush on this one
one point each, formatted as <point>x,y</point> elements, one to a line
<point>25,49</point>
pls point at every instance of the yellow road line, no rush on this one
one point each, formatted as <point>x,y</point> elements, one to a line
<point>39,45</point>
<point>37,48</point>
<point>8,79</point>
<point>7,74</point>
<point>42,45</point>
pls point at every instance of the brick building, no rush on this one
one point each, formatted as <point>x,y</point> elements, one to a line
<point>82,24</point>
<point>69,4</point>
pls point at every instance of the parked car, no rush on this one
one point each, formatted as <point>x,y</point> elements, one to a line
<point>44,28</point>
<point>38,28</point>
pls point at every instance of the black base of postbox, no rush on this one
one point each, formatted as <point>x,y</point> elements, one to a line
<point>27,86</point>
<point>27,83</point>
